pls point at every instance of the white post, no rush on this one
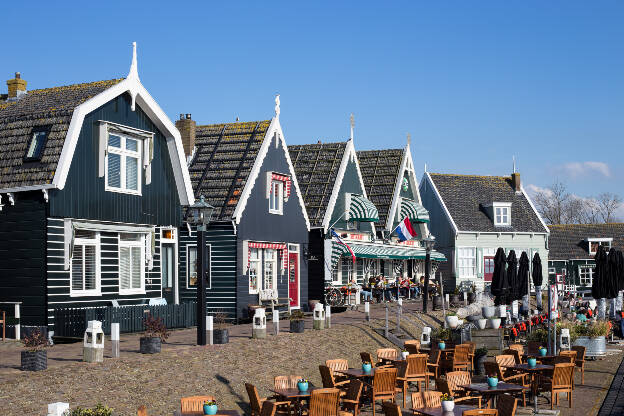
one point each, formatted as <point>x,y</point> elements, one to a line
<point>465,299</point>
<point>18,326</point>
<point>276,321</point>
<point>58,409</point>
<point>115,340</point>
<point>210,328</point>
<point>327,316</point>
<point>367,310</point>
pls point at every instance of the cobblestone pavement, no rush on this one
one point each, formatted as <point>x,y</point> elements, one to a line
<point>614,401</point>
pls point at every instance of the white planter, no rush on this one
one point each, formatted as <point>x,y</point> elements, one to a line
<point>495,323</point>
<point>488,311</point>
<point>482,323</point>
<point>502,311</point>
<point>448,405</point>
<point>404,354</point>
<point>452,321</point>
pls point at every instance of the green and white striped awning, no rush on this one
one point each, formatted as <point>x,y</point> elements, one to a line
<point>413,210</point>
<point>381,251</point>
<point>361,209</point>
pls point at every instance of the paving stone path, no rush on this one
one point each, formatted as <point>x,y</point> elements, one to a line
<point>614,402</point>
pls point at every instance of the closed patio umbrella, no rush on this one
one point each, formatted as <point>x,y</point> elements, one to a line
<point>512,277</point>
<point>537,279</point>
<point>500,284</point>
<point>523,279</point>
<point>600,281</point>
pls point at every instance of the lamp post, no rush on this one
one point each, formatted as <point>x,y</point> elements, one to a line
<point>200,214</point>
<point>429,243</point>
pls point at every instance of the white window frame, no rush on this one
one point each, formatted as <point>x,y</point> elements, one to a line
<point>275,263</point>
<point>98,268</point>
<point>259,268</point>
<point>506,206</point>
<point>173,240</point>
<point>123,153</point>
<point>130,244</point>
<point>600,241</point>
<point>188,268</point>
<point>590,271</point>
<point>461,257</point>
<point>276,197</point>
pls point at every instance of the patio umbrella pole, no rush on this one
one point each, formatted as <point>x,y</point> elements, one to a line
<point>549,314</point>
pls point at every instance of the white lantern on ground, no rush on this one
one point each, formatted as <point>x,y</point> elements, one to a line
<point>319,316</point>
<point>93,343</point>
<point>425,337</point>
<point>564,339</point>
<point>258,329</point>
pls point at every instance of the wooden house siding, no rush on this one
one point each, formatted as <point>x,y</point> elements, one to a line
<point>350,184</point>
<point>316,265</point>
<point>23,255</point>
<point>84,194</point>
<point>221,292</point>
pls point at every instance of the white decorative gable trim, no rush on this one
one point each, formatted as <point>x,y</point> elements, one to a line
<point>275,129</point>
<point>139,94</point>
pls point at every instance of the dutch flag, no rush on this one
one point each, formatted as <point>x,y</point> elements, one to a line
<point>405,230</point>
<point>339,241</point>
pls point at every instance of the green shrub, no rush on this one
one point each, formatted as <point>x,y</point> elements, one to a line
<point>539,335</point>
<point>98,410</point>
<point>297,315</point>
<point>442,334</point>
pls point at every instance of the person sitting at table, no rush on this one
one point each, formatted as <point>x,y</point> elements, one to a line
<point>388,291</point>
<point>377,286</point>
<point>367,291</point>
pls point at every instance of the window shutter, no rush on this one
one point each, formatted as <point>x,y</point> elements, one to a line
<point>245,257</point>
<point>148,155</point>
<point>479,262</point>
<point>269,178</point>
<point>102,141</point>
<point>150,248</point>
<point>68,240</point>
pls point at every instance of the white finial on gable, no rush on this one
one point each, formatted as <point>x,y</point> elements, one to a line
<point>425,167</point>
<point>409,139</point>
<point>514,163</point>
<point>134,75</point>
<point>277,105</point>
<point>352,122</point>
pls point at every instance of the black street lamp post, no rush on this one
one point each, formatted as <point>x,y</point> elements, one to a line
<point>429,243</point>
<point>200,215</point>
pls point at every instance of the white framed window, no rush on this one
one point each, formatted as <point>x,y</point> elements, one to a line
<point>276,198</point>
<point>191,266</point>
<point>131,263</point>
<point>85,267</point>
<point>123,164</point>
<point>270,269</point>
<point>595,243</point>
<point>502,214</point>
<point>586,275</point>
<point>255,269</point>
<point>466,261</point>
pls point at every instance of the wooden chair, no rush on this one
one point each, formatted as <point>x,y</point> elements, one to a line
<point>465,348</point>
<point>255,402</point>
<point>384,386</point>
<point>471,353</point>
<point>327,376</point>
<point>506,405</point>
<point>286,382</point>
<point>401,379</point>
<point>533,347</point>
<point>480,412</point>
<point>324,402</point>
<point>367,357</point>
<point>461,378</point>
<point>515,354</point>
<point>444,387</point>
<point>142,411</point>
<point>427,399</point>
<point>417,370</point>
<point>433,364</point>
<point>415,346</point>
<point>517,347</point>
<point>384,355</point>
<point>268,409</point>
<point>391,409</point>
<point>506,360</point>
<point>459,361</point>
<point>351,400</point>
<point>338,364</point>
<point>570,354</point>
<point>580,361</point>
<point>560,382</point>
<point>194,405</point>
<point>492,367</point>
<point>418,400</point>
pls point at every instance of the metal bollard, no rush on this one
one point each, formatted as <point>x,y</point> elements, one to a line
<point>327,316</point>
<point>386,329</point>
<point>209,328</point>
<point>398,320</point>
<point>115,340</point>
<point>276,321</point>
<point>367,310</point>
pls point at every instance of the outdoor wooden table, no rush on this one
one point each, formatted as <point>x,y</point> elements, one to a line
<point>357,372</point>
<point>485,390</point>
<point>220,412</point>
<point>532,372</point>
<point>437,411</point>
<point>295,396</point>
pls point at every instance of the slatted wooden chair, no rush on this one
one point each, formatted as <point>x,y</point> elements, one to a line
<point>515,354</point>
<point>492,367</point>
<point>329,382</point>
<point>401,379</point>
<point>255,402</point>
<point>506,405</point>
<point>367,357</point>
<point>427,399</point>
<point>433,364</point>
<point>268,409</point>
<point>194,405</point>
<point>459,361</point>
<point>471,353</point>
<point>465,348</point>
<point>338,364</point>
<point>580,361</point>
<point>461,378</point>
<point>391,409</point>
<point>480,412</point>
<point>142,411</point>
<point>385,355</point>
<point>324,402</point>
<point>384,386</point>
<point>560,382</point>
<point>506,361</point>
<point>417,370</point>
<point>570,354</point>
<point>442,386</point>
<point>351,400</point>
<point>517,347</point>
<point>415,346</point>
<point>286,382</point>
<point>418,400</point>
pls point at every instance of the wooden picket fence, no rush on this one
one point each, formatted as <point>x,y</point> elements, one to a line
<point>72,322</point>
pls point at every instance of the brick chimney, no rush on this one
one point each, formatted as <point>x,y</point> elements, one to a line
<point>17,86</point>
<point>515,181</point>
<point>187,126</point>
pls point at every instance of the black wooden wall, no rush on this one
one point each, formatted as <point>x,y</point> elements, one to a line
<point>316,265</point>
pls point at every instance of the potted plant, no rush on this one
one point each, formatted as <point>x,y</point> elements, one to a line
<point>297,323</point>
<point>155,334</point>
<point>452,320</point>
<point>592,336</point>
<point>441,345</point>
<point>482,323</point>
<point>455,296</point>
<point>543,351</point>
<point>532,362</point>
<point>472,294</point>
<point>367,367</point>
<point>35,357</point>
<point>210,407</point>
<point>220,333</point>
<point>480,356</point>
<point>495,323</point>
<point>437,302</point>
<point>303,384</point>
<point>404,354</point>
<point>98,410</point>
<point>448,403</point>
<point>488,311</point>
<point>492,380</point>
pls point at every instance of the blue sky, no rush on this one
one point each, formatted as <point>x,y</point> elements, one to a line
<point>473,82</point>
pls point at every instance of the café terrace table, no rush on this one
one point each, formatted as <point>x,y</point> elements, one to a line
<point>532,372</point>
<point>437,411</point>
<point>220,412</point>
<point>295,396</point>
<point>490,393</point>
<point>357,372</point>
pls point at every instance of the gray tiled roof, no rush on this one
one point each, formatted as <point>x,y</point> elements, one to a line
<point>316,167</point>
<point>224,156</point>
<point>379,171</point>
<point>51,107</point>
<point>567,241</point>
<point>465,196</point>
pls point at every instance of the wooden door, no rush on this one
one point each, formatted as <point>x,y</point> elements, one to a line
<point>168,272</point>
<point>488,268</point>
<point>293,278</point>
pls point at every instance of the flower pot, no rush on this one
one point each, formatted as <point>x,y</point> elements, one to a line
<point>367,367</point>
<point>488,311</point>
<point>532,362</point>
<point>297,326</point>
<point>404,354</point>
<point>220,336</point>
<point>495,323</point>
<point>543,352</point>
<point>479,366</point>
<point>448,405</point>
<point>454,299</point>
<point>210,409</point>
<point>482,323</point>
<point>303,387</point>
<point>594,347</point>
<point>452,321</point>
<point>149,345</point>
<point>441,345</point>
<point>34,360</point>
<point>502,311</point>
<point>492,381</point>
<point>472,297</point>
<point>437,302</point>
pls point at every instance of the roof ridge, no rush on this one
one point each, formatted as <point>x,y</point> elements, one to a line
<point>380,150</point>
<point>233,122</point>
<point>587,225</point>
<point>316,144</point>
<point>470,176</point>
<point>80,84</point>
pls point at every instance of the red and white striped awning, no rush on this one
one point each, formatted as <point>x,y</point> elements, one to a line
<point>275,246</point>
<point>287,183</point>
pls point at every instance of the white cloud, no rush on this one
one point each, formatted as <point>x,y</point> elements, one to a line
<point>534,189</point>
<point>575,169</point>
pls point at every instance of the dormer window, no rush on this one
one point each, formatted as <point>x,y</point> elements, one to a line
<point>123,161</point>
<point>502,213</point>
<point>594,243</point>
<point>36,145</point>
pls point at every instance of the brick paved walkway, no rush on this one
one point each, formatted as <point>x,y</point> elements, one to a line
<point>614,402</point>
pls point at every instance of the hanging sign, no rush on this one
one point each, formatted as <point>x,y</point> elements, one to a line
<point>553,299</point>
